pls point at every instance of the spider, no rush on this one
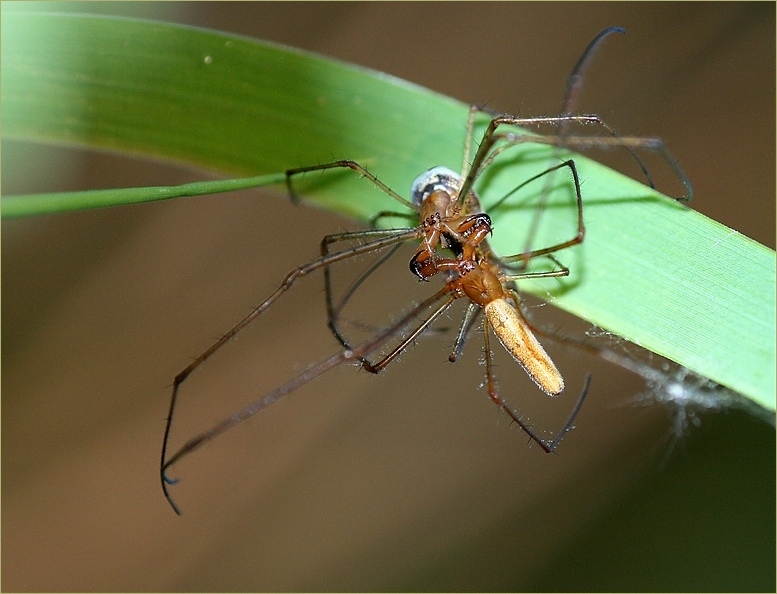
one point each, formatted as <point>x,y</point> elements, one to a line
<point>451,229</point>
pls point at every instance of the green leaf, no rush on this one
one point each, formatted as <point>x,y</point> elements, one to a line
<point>650,270</point>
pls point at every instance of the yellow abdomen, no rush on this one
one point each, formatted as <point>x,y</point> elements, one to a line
<point>519,341</point>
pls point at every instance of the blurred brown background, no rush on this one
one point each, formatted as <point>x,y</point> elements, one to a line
<point>408,481</point>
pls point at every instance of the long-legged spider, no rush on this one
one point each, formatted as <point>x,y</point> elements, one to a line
<point>449,219</point>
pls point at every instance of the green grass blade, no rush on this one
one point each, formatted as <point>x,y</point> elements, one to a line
<point>650,270</point>
<point>38,204</point>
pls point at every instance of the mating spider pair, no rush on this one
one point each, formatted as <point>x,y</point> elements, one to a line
<point>452,232</point>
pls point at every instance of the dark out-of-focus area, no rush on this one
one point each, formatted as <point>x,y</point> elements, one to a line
<point>413,480</point>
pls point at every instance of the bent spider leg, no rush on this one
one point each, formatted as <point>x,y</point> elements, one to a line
<point>575,80</point>
<point>285,285</point>
<point>396,351</point>
<point>528,254</point>
<point>547,446</point>
<point>333,311</point>
<point>571,91</point>
<point>486,155</point>
<point>343,164</point>
<point>342,356</point>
